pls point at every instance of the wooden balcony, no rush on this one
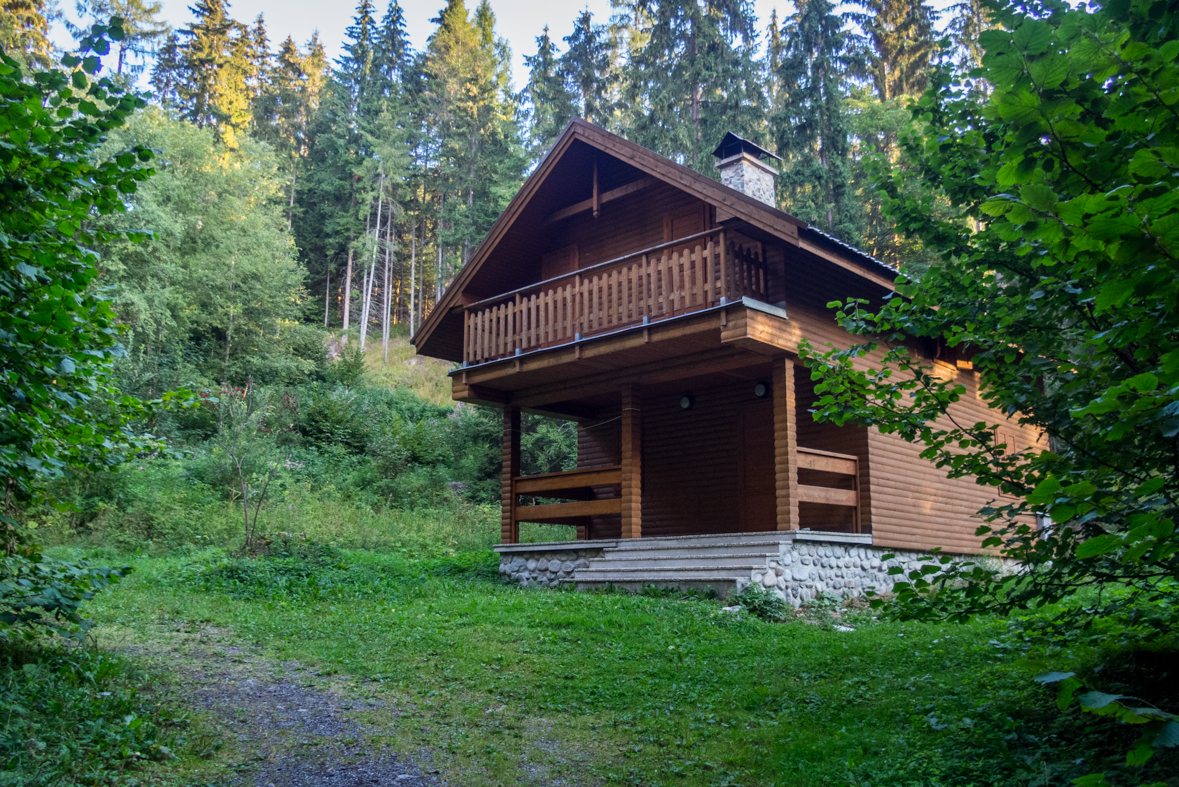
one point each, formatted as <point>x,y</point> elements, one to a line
<point>680,277</point>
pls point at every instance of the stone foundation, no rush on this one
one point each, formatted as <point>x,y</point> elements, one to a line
<point>548,568</point>
<point>799,568</point>
<point>804,570</point>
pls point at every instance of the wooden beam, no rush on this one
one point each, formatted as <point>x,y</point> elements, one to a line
<point>828,496</point>
<point>509,524</point>
<point>612,194</point>
<point>554,482</point>
<point>569,412</point>
<point>678,368</point>
<point>563,511</point>
<point>785,444</point>
<point>826,462</point>
<point>478,394</point>
<point>632,462</point>
<point>597,198</point>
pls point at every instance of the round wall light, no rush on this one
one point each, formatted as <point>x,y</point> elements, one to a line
<point>686,402</point>
<point>760,390</point>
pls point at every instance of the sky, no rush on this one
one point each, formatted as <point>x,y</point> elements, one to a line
<point>519,21</point>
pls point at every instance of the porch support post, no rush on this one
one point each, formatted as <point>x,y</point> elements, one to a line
<point>509,528</point>
<point>785,444</point>
<point>632,462</point>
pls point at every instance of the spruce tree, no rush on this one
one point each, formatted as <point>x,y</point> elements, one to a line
<point>355,67</point>
<point>24,30</point>
<point>899,40</point>
<point>588,69</point>
<point>259,55</point>
<point>695,78</point>
<point>168,72</point>
<point>968,20</point>
<point>393,54</point>
<point>549,105</point>
<point>811,125</point>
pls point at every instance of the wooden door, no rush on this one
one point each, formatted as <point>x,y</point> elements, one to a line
<point>757,498</point>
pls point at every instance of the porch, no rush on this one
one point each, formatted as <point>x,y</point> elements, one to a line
<point>710,454</point>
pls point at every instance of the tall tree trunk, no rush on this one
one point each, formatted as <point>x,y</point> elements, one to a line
<point>366,309</point>
<point>388,283</point>
<point>348,287</point>
<point>327,295</point>
<point>291,204</point>
<point>413,264</point>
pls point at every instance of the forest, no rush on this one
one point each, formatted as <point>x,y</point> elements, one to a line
<point>374,177</point>
<point>246,535</point>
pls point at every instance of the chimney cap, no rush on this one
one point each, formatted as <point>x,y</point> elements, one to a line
<point>733,145</point>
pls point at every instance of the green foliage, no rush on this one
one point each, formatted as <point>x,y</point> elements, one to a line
<point>653,688</point>
<point>550,104</point>
<point>1058,280</point>
<point>75,716</point>
<point>1159,729</point>
<point>693,78</point>
<point>810,118</point>
<point>348,369</point>
<point>762,603</point>
<point>214,292</point>
<point>293,569</point>
<point>42,593</point>
<point>58,338</point>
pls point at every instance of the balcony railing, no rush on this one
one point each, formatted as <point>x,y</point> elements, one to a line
<point>668,280</point>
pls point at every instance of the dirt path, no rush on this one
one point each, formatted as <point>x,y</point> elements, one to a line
<point>287,725</point>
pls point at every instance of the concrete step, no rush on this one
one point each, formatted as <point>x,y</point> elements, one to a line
<point>727,550</point>
<point>659,542</point>
<point>662,574</point>
<point>682,559</point>
<point>745,545</point>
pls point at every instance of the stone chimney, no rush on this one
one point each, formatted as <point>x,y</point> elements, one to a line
<point>743,167</point>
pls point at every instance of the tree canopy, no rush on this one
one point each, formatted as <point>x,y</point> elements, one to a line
<point>1058,279</point>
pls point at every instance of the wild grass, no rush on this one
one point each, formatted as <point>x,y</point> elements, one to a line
<point>426,377</point>
<point>636,689</point>
<point>168,522</point>
<point>79,715</point>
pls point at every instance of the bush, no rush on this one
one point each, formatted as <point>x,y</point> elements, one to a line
<point>75,716</point>
<point>761,603</point>
<point>39,593</point>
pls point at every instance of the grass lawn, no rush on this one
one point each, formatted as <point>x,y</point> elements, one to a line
<point>634,689</point>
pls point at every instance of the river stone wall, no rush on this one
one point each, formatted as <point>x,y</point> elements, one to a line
<point>804,571</point>
<point>547,569</point>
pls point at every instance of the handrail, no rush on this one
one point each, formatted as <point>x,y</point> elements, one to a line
<point>569,473</point>
<point>596,266</point>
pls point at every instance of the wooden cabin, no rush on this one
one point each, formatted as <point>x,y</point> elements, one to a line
<point>662,311</point>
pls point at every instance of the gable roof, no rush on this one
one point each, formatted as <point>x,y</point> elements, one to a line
<point>758,214</point>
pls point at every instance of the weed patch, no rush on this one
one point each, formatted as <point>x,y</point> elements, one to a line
<point>74,716</point>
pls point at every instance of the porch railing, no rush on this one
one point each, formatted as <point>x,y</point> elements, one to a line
<point>839,466</point>
<point>574,484</point>
<point>679,277</point>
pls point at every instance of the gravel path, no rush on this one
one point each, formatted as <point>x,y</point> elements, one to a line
<point>298,728</point>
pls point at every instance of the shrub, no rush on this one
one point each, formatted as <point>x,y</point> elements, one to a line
<point>762,603</point>
<point>75,716</point>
